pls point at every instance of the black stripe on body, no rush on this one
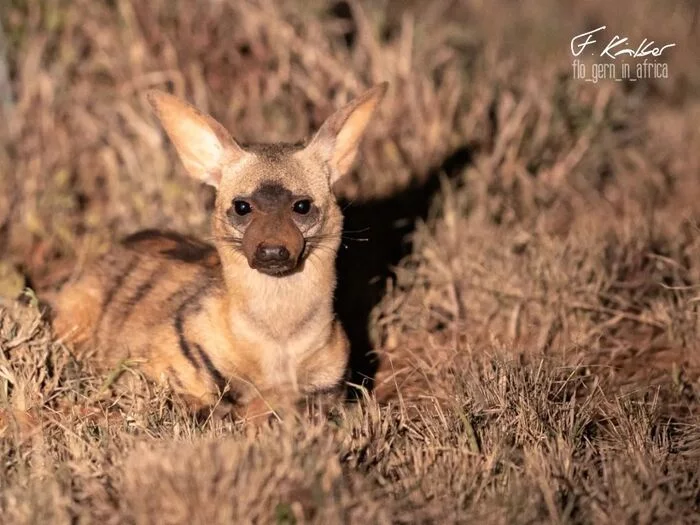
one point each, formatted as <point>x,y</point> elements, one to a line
<point>181,339</point>
<point>190,305</point>
<point>118,283</point>
<point>221,383</point>
<point>179,247</point>
<point>139,294</point>
<point>112,292</point>
<point>193,351</point>
<point>144,288</point>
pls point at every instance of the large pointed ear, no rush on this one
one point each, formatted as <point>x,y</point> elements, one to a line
<point>204,145</point>
<point>338,139</point>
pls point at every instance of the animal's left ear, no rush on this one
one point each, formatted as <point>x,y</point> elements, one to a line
<point>338,139</point>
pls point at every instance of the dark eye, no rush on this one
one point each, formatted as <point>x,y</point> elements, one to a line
<point>302,207</point>
<point>242,207</point>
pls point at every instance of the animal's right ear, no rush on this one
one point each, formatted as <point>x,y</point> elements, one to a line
<point>204,145</point>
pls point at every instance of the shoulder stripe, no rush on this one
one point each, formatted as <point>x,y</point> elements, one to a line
<point>182,340</point>
<point>190,304</point>
<point>224,386</point>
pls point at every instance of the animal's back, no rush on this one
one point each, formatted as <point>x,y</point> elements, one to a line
<point>125,303</point>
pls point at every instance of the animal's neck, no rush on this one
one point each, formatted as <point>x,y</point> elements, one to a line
<point>279,306</point>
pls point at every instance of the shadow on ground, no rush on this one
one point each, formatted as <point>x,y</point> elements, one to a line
<point>376,238</point>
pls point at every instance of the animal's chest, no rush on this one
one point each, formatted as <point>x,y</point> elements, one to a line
<point>282,350</point>
<point>282,358</point>
<point>279,365</point>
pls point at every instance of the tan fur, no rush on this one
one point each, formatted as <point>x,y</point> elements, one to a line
<point>222,324</point>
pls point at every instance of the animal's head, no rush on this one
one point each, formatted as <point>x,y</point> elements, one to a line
<point>274,201</point>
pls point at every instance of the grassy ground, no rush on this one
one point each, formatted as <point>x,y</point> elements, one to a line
<point>523,256</point>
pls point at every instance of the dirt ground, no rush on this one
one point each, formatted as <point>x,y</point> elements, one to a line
<point>520,272</point>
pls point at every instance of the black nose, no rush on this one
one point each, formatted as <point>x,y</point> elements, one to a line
<point>266,253</point>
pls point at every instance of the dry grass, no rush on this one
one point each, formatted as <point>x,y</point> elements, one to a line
<point>538,338</point>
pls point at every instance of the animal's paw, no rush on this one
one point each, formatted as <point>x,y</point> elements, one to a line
<point>266,409</point>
